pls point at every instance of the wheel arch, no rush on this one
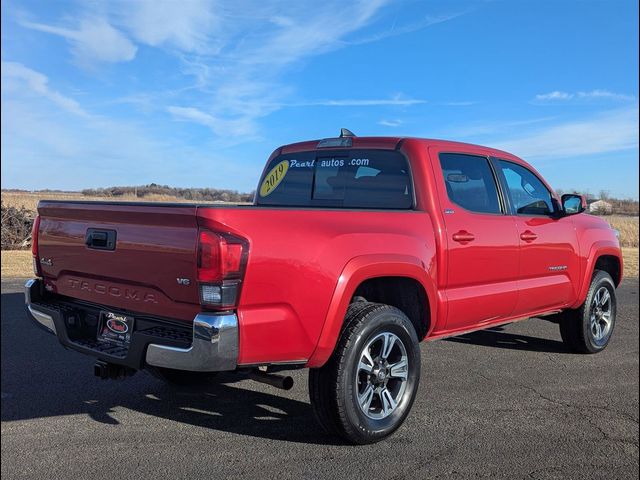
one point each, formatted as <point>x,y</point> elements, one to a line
<point>610,264</point>
<point>602,256</point>
<point>404,293</point>
<point>370,273</point>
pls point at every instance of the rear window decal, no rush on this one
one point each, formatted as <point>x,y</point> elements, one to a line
<point>273,178</point>
<point>299,164</point>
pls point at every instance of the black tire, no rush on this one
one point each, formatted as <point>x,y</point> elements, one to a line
<point>181,378</point>
<point>334,388</point>
<point>577,327</point>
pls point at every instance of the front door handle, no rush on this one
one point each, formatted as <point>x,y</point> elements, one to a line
<point>463,237</point>
<point>528,236</point>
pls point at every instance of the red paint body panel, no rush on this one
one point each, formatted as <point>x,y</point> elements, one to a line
<point>556,245</point>
<point>304,264</point>
<point>357,271</point>
<point>155,244</point>
<point>295,267</point>
<point>481,281</point>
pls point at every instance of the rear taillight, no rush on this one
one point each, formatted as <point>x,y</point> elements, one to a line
<point>222,259</point>
<point>34,246</point>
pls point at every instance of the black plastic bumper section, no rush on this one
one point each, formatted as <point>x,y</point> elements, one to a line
<point>76,326</point>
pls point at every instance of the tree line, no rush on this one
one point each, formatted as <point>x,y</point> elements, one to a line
<point>196,194</point>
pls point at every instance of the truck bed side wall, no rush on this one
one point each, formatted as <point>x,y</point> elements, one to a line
<point>296,259</point>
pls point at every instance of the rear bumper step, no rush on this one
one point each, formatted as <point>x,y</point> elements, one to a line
<point>211,346</point>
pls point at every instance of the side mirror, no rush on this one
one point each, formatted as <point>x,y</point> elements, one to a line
<point>573,204</point>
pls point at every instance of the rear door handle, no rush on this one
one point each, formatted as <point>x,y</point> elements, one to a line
<point>463,237</point>
<point>528,236</point>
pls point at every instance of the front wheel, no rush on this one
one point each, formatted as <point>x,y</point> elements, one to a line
<point>589,328</point>
<point>366,389</point>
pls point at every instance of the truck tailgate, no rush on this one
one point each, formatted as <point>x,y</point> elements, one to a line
<point>149,268</point>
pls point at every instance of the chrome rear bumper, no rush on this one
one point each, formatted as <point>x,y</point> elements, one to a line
<point>214,347</point>
<point>42,318</point>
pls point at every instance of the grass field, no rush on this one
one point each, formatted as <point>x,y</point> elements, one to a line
<point>630,258</point>
<point>16,264</point>
<point>30,200</point>
<point>628,228</point>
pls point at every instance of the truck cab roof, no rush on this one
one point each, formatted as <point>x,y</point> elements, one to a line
<point>389,143</point>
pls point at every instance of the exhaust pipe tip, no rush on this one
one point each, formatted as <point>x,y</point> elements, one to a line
<point>287,383</point>
<point>279,381</point>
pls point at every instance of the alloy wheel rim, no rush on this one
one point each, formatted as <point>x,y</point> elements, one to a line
<point>381,376</point>
<point>601,316</point>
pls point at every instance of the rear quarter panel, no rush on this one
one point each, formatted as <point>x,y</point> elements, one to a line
<point>296,261</point>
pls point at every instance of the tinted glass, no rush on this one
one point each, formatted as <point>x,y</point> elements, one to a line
<point>528,194</point>
<point>345,178</point>
<point>470,182</point>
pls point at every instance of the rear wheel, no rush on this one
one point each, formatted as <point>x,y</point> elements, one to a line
<point>589,328</point>
<point>366,389</point>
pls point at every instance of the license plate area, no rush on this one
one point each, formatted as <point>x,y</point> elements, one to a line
<point>115,328</point>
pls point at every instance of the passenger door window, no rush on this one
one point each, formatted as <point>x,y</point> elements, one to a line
<point>529,196</point>
<point>470,182</point>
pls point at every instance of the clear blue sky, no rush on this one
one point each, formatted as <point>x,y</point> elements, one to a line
<point>199,93</point>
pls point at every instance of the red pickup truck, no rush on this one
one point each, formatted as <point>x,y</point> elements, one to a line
<point>354,251</point>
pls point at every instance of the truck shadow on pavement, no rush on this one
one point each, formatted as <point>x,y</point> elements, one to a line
<point>496,337</point>
<point>41,379</point>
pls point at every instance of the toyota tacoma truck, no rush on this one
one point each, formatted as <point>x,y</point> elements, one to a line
<point>354,251</point>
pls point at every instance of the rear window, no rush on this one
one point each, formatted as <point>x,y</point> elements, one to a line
<point>470,182</point>
<point>345,178</point>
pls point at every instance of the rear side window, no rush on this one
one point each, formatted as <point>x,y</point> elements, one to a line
<point>470,182</point>
<point>528,194</point>
<point>346,178</point>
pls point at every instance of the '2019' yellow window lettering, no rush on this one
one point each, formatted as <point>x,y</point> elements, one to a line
<point>273,178</point>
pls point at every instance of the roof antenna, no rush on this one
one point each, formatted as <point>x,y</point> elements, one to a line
<point>345,132</point>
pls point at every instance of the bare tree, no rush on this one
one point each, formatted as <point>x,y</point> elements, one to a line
<point>605,195</point>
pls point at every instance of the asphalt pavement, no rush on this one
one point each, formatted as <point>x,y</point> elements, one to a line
<point>507,403</point>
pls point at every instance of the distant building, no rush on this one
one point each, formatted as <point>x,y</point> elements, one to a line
<point>600,207</point>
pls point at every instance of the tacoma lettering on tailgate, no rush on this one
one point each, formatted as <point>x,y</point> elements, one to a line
<point>119,292</point>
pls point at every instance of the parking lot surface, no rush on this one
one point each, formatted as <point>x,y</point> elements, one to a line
<point>506,403</point>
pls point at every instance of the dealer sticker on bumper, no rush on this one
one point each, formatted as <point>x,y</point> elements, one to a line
<point>115,328</point>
